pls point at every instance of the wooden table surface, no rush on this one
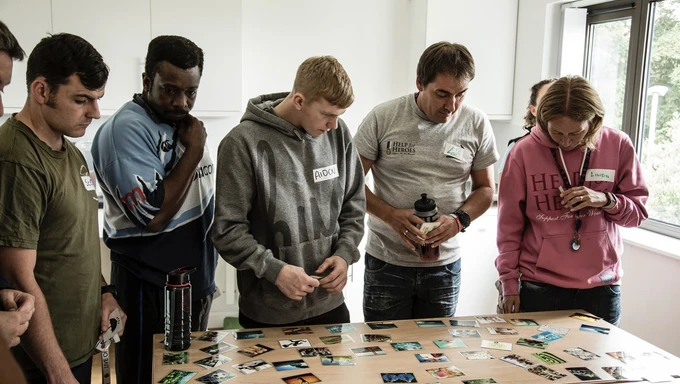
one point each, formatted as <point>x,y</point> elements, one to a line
<point>368,369</point>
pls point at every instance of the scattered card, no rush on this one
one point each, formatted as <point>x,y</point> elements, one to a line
<point>490,319</point>
<point>297,331</point>
<point>216,377</point>
<point>252,366</point>
<point>502,331</point>
<point>585,317</point>
<point>290,365</point>
<point>398,378</point>
<point>432,357</point>
<point>336,339</point>
<point>592,328</point>
<point>621,373</point>
<point>312,352</point>
<point>547,336</point>
<point>477,355</point>
<point>302,378</point>
<point>543,371</point>
<point>448,344</point>
<point>218,348</point>
<point>523,322</point>
<point>517,360</point>
<point>430,323</point>
<point>337,360</point>
<point>177,377</point>
<point>368,351</point>
<point>172,358</point>
<point>426,228</point>
<point>340,328</point>
<point>115,326</point>
<point>548,358</point>
<point>464,323</point>
<point>212,361</point>
<point>623,357</point>
<point>245,335</point>
<point>373,338</point>
<point>557,330</point>
<point>213,336</point>
<point>532,343</point>
<point>583,373</point>
<point>465,333</point>
<point>493,344</point>
<point>296,343</point>
<point>255,350</point>
<point>407,346</point>
<point>581,353</point>
<point>382,325</point>
<point>480,381</point>
<point>444,372</point>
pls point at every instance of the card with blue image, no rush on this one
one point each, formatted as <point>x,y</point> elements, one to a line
<point>547,336</point>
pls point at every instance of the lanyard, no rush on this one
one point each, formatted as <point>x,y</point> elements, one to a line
<point>564,173</point>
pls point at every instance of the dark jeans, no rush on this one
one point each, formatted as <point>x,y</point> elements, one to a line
<point>82,373</point>
<point>144,304</point>
<point>338,315</point>
<point>392,292</point>
<point>603,301</point>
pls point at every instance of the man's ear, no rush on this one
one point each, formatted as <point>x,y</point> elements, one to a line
<point>40,90</point>
<point>419,85</point>
<point>298,100</point>
<point>146,83</point>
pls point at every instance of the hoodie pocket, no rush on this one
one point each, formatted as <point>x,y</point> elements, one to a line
<point>309,256</point>
<point>595,255</point>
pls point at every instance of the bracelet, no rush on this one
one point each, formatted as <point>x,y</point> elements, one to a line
<point>458,224</point>
<point>611,201</point>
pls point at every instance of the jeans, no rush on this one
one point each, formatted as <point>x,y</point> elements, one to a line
<point>392,292</point>
<point>603,301</point>
<point>338,315</point>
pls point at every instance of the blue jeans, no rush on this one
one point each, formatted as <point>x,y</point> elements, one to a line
<point>392,292</point>
<point>603,301</point>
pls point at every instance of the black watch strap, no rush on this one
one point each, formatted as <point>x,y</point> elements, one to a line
<point>110,289</point>
<point>463,217</point>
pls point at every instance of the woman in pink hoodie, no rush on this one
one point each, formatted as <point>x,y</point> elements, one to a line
<point>566,189</point>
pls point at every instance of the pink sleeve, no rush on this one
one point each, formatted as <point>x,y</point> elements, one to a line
<point>631,190</point>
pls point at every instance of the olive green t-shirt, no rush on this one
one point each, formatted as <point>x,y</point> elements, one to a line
<point>48,203</point>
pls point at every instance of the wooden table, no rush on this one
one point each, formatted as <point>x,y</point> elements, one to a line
<point>368,369</point>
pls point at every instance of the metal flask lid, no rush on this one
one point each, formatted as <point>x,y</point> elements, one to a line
<point>424,204</point>
<point>179,276</point>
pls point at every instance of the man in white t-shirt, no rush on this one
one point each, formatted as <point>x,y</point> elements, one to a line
<point>427,142</point>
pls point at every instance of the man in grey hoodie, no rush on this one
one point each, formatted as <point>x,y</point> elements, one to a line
<point>290,202</point>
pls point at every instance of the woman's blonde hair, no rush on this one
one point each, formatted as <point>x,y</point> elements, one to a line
<point>573,97</point>
<point>324,77</point>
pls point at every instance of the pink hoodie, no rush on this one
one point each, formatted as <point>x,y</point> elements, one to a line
<point>535,231</point>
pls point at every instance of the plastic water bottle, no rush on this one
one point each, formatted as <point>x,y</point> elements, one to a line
<point>426,209</point>
<point>178,309</point>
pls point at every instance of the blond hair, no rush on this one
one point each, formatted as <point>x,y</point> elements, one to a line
<point>324,77</point>
<point>573,97</point>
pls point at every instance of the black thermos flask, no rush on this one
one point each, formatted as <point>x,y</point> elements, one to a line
<point>426,209</point>
<point>178,309</point>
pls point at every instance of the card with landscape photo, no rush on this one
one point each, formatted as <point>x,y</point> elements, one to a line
<point>583,373</point>
<point>213,336</point>
<point>407,346</point>
<point>432,357</point>
<point>252,366</point>
<point>216,377</point>
<point>517,360</point>
<point>548,358</point>
<point>374,338</point>
<point>465,333</point>
<point>398,378</point>
<point>523,322</point>
<point>337,360</point>
<point>177,377</point>
<point>336,339</point>
<point>532,343</point>
<point>340,328</point>
<point>297,331</point>
<point>493,344</point>
<point>622,373</point>
<point>301,378</point>
<point>543,371</point>
<point>547,336</point>
<point>295,343</point>
<point>290,365</point>
<point>480,381</point>
<point>502,331</point>
<point>255,350</point>
<point>368,351</point>
<point>623,357</point>
<point>218,348</point>
<point>477,355</point>
<point>245,335</point>
<point>175,358</point>
<point>430,323</point>
<point>448,344</point>
<point>212,361</point>
<point>594,329</point>
<point>464,323</point>
<point>556,330</point>
<point>381,325</point>
<point>585,317</point>
<point>490,319</point>
<point>312,352</point>
<point>444,372</point>
<point>581,353</point>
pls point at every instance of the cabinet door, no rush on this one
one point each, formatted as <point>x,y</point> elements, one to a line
<point>28,32</point>
<point>226,304</point>
<point>488,29</point>
<point>119,31</point>
<point>215,26</point>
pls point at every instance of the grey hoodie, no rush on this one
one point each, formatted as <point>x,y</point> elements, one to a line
<point>284,197</point>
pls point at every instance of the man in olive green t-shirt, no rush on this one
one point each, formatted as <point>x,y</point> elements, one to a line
<point>49,243</point>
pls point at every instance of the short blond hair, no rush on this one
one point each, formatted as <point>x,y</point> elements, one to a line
<point>324,77</point>
<point>573,97</point>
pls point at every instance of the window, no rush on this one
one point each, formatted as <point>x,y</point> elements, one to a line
<point>633,60</point>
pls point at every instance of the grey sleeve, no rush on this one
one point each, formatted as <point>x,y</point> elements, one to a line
<point>486,154</point>
<point>230,232</point>
<point>353,210</point>
<point>366,139</point>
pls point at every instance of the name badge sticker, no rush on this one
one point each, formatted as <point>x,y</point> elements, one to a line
<point>87,182</point>
<point>326,173</point>
<point>601,175</point>
<point>455,151</point>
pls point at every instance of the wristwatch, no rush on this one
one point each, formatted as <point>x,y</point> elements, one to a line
<point>464,218</point>
<point>110,289</point>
